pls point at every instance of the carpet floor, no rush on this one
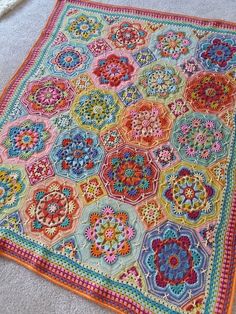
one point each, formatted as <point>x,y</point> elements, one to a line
<point>21,291</point>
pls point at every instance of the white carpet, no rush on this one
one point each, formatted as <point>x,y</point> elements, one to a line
<point>21,291</point>
<point>7,5</point>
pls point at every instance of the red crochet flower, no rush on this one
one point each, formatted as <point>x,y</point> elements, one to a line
<point>113,70</point>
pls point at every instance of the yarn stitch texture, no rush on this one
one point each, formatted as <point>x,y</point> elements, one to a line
<point>117,159</point>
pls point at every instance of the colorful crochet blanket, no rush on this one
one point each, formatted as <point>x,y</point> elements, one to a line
<point>118,154</point>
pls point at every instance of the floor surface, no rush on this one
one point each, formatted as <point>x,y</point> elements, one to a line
<point>21,291</point>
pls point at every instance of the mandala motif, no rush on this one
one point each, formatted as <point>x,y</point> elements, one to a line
<point>217,53</point>
<point>110,234</point>
<point>84,27</point>
<point>69,60</point>
<point>12,221</point>
<point>113,70</point>
<point>144,57</point>
<point>111,139</point>
<point>68,247</point>
<point>173,44</point>
<point>129,174</point>
<point>160,81</point>
<point>39,170</point>
<point>128,35</point>
<point>218,170</point>
<point>165,156</point>
<point>200,138</point>
<point>52,212</point>
<point>188,195</point>
<point>81,83</point>
<point>210,92</point>
<point>133,276</point>
<point>130,95</point>
<point>178,107</point>
<point>190,67</point>
<point>146,125</point>
<point>26,138</point>
<point>76,154</point>
<point>99,47</point>
<point>96,109</point>
<point>173,261</point>
<point>48,96</point>
<point>150,213</point>
<point>91,190</point>
<point>11,189</point>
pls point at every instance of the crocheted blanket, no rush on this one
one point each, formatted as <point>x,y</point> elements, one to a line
<point>118,159</point>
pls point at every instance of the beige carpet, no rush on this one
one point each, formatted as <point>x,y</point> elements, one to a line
<point>7,5</point>
<point>22,292</point>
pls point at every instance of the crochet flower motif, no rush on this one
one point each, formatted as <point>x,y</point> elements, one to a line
<point>110,234</point>
<point>217,53</point>
<point>95,109</point>
<point>178,107</point>
<point>210,92</point>
<point>173,44</point>
<point>189,194</point>
<point>52,212</point>
<point>190,67</point>
<point>39,170</point>
<point>165,155</point>
<point>84,27</point>
<point>11,187</point>
<point>111,139</point>
<point>159,81</point>
<point>128,35</point>
<point>200,138</point>
<point>77,154</point>
<point>129,175</point>
<point>99,47</point>
<point>146,125</point>
<point>48,96</point>
<point>69,59</point>
<point>150,213</point>
<point>114,70</point>
<point>172,261</point>
<point>82,83</point>
<point>219,171</point>
<point>63,121</point>
<point>129,95</point>
<point>144,57</point>
<point>25,139</point>
<point>91,190</point>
